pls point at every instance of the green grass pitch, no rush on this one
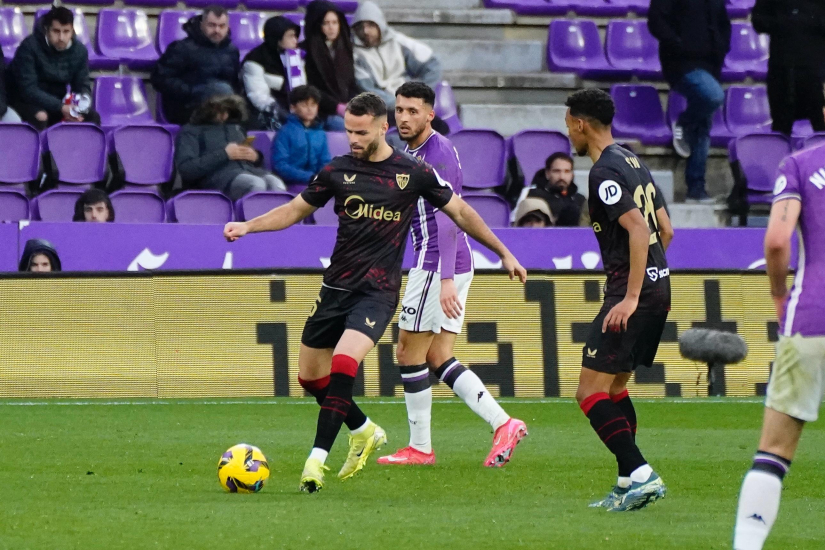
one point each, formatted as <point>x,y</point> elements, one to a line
<point>143,475</point>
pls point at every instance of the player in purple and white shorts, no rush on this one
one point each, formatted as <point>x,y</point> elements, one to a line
<point>432,310</point>
<point>797,382</point>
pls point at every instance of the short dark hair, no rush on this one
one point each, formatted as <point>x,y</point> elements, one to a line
<point>593,104</point>
<point>417,90</point>
<point>557,156</point>
<point>61,14</point>
<point>207,113</point>
<point>90,197</point>
<point>303,93</point>
<point>214,9</point>
<point>367,103</point>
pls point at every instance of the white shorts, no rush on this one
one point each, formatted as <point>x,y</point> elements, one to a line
<point>421,306</point>
<point>797,383</point>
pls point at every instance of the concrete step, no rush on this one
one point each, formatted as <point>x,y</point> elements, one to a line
<point>451,16</point>
<point>694,215</point>
<point>515,56</point>
<point>510,119</point>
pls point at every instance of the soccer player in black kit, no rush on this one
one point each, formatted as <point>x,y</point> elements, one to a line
<point>376,190</point>
<point>633,229</point>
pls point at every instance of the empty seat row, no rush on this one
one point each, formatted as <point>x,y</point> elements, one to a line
<point>630,49</point>
<point>598,8</point>
<point>270,5</point>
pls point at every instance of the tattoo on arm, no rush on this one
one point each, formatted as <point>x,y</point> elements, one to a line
<point>785,212</point>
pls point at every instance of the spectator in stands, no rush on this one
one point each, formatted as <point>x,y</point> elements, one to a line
<point>554,184</point>
<point>204,64</point>
<point>329,60</point>
<point>300,148</point>
<point>265,73</point>
<point>533,212</point>
<point>7,114</point>
<point>39,255</point>
<point>385,58</point>
<point>94,205</point>
<point>213,152</point>
<point>47,63</point>
<point>796,66</point>
<point>694,38</point>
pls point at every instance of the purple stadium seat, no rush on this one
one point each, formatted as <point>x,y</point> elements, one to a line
<point>338,143</point>
<point>326,214</point>
<point>14,206</point>
<point>748,54</point>
<point>146,154</point>
<point>170,27</point>
<point>595,8</point>
<point>639,114</point>
<point>81,31</point>
<point>759,156</point>
<point>199,207</point>
<point>802,129</point>
<point>532,147</point>
<point>152,3</point>
<point>747,110</point>
<point>346,6</point>
<point>12,30</point>
<point>575,46</point>
<point>79,152</point>
<point>121,100</point>
<point>263,144</point>
<point>247,29</point>
<point>255,204</point>
<point>56,205</point>
<point>133,206</point>
<point>483,155</point>
<point>639,7</point>
<point>492,208</point>
<point>528,7</point>
<point>229,4</point>
<point>446,107</point>
<point>20,144</point>
<point>720,135</point>
<point>813,140</point>
<point>740,8</point>
<point>271,5</point>
<point>124,35</point>
<point>631,47</point>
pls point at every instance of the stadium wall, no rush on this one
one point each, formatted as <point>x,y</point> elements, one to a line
<point>234,334</point>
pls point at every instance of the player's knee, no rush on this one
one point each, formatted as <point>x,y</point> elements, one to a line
<point>402,353</point>
<point>437,357</point>
<point>581,394</point>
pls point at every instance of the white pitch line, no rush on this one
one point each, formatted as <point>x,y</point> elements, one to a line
<point>293,401</point>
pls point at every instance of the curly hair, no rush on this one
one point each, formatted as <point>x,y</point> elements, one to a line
<point>233,105</point>
<point>593,104</point>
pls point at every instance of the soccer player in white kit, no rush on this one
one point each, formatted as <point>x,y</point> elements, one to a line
<point>432,310</point>
<point>797,383</point>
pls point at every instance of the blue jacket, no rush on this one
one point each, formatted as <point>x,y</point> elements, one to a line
<point>298,152</point>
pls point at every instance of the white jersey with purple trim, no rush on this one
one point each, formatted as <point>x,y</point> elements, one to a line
<point>438,152</point>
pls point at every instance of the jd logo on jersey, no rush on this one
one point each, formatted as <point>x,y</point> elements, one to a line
<point>610,192</point>
<point>402,180</point>
<point>356,207</point>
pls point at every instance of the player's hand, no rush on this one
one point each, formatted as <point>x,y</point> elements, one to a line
<point>449,299</point>
<point>235,230</point>
<point>778,303</point>
<point>616,318</point>
<point>514,269</point>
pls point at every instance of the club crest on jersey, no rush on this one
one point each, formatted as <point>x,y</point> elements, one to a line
<point>402,180</point>
<point>610,192</point>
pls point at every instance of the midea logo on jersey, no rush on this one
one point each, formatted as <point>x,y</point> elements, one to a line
<point>655,273</point>
<point>356,207</point>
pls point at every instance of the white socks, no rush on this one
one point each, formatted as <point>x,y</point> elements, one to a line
<point>758,507</point>
<point>418,395</point>
<point>469,387</point>
<point>319,454</point>
<point>641,474</point>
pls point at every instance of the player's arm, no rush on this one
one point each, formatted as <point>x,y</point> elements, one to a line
<point>468,219</point>
<point>781,225</point>
<point>276,219</point>
<point>639,236</point>
<point>665,227</point>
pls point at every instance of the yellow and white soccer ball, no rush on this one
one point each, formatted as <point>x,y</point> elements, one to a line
<point>243,469</point>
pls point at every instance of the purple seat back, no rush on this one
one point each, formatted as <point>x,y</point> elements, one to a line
<point>255,204</point>
<point>746,47</point>
<point>446,107</point>
<point>12,30</point>
<point>813,140</point>
<point>14,206</point>
<point>229,4</point>
<point>20,144</point>
<point>574,42</point>
<point>247,29</point>
<point>125,35</point>
<point>747,110</point>
<point>170,27</point>
<point>639,7</point>
<point>338,143</point>
<point>326,214</point>
<point>492,208</point>
<point>532,147</point>
<point>271,5</point>
<point>121,100</point>
<point>298,19</point>
<point>740,8</point>
<point>263,144</point>
<point>56,205</point>
<point>629,45</point>
<point>482,154</point>
<point>759,156</point>
<point>639,114</point>
<point>138,207</point>
<point>79,151</point>
<point>153,3</point>
<point>146,153</point>
<point>346,6</point>
<point>200,207</point>
<point>719,133</point>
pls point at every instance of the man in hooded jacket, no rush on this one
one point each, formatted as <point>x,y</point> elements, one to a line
<point>39,255</point>
<point>204,64</point>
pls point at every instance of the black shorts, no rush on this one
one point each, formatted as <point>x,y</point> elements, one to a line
<point>335,311</point>
<point>617,352</point>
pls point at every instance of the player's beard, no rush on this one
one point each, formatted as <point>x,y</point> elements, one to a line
<point>416,133</point>
<point>368,151</point>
